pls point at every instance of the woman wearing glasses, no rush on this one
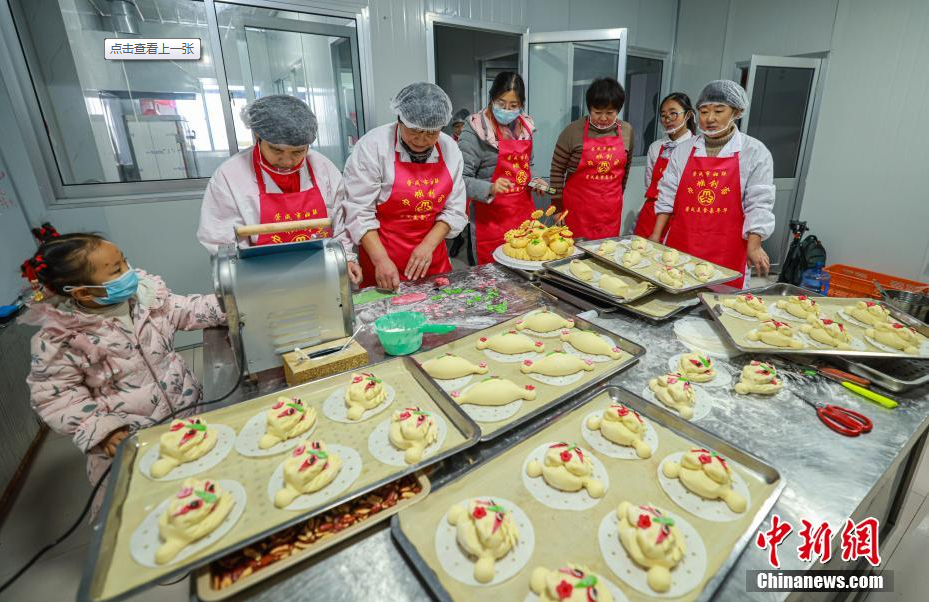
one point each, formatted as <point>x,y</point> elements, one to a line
<point>677,118</point>
<point>403,192</point>
<point>496,144</point>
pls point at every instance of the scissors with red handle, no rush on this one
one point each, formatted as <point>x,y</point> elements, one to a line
<point>841,420</point>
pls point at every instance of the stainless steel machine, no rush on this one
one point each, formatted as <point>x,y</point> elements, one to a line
<point>281,297</point>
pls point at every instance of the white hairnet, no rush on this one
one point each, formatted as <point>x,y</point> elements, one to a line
<point>461,115</point>
<point>281,119</point>
<point>724,91</point>
<point>422,106</point>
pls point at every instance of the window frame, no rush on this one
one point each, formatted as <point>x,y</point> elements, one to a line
<point>27,97</point>
<point>664,89</point>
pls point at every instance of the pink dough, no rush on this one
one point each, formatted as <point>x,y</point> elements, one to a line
<point>408,299</point>
<point>441,281</point>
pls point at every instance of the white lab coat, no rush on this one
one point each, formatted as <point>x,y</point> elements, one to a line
<point>231,199</point>
<point>369,177</point>
<point>655,148</point>
<point>756,175</point>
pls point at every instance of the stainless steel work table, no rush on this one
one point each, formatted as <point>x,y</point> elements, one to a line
<point>829,477</point>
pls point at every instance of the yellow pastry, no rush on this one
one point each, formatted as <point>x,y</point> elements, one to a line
<point>639,244</point>
<point>567,468</point>
<point>670,257</point>
<point>450,367</point>
<point>510,343</point>
<point>308,469</point>
<point>534,241</point>
<point>696,367</point>
<point>412,431</point>
<point>760,378</point>
<point>827,332</point>
<point>671,276</point>
<point>707,474</point>
<point>777,334</point>
<point>557,363</point>
<point>632,258</point>
<point>486,531</point>
<point>581,270</point>
<point>544,321</point>
<point>587,341</point>
<point>365,392</point>
<point>192,514</point>
<point>869,313</point>
<point>286,419</point>
<point>676,392</point>
<point>896,335</point>
<point>187,440</point>
<point>571,583</point>
<point>704,271</point>
<point>653,542</point>
<point>799,306</point>
<point>494,391</point>
<point>607,247</point>
<point>748,305</point>
<point>613,285</point>
<point>622,426</point>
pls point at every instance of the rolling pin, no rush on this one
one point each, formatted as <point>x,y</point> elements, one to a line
<point>273,228</point>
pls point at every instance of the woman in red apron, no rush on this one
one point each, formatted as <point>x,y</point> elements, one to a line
<point>290,204</point>
<point>723,194</point>
<point>677,118</point>
<point>593,193</point>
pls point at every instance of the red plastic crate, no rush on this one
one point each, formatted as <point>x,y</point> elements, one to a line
<point>850,281</point>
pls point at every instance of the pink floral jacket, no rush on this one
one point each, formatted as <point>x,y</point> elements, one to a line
<point>91,375</point>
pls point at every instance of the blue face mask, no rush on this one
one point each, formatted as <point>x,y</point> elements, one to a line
<point>505,117</point>
<point>117,290</point>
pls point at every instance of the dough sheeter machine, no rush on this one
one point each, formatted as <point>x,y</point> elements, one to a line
<point>282,296</point>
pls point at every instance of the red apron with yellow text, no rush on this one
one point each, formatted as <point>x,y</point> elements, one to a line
<point>593,194</point>
<point>289,206</point>
<point>416,198</point>
<point>508,210</point>
<point>708,216</point>
<point>645,225</point>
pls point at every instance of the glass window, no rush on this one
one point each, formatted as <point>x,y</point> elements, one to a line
<point>312,57</point>
<point>122,121</point>
<point>643,93</point>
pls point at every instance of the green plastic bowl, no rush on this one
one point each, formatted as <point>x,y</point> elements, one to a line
<point>401,332</point>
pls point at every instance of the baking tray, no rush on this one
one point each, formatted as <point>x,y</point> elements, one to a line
<point>735,329</point>
<point>575,298</point>
<point>547,396</point>
<point>414,529</point>
<point>892,373</point>
<point>204,578</point>
<point>561,269</point>
<point>111,574</point>
<point>648,272</point>
<point>655,308</point>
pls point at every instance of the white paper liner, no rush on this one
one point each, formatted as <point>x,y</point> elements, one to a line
<point>681,260</point>
<point>460,566</point>
<point>225,442</point>
<point>735,314</point>
<point>558,381</point>
<point>722,379</point>
<point>145,540</point>
<point>712,510</point>
<point>698,335</point>
<point>686,576</point>
<point>383,450</point>
<point>690,268</point>
<point>594,358</point>
<point>453,384</point>
<point>618,595</point>
<point>335,409</point>
<point>702,404</point>
<point>250,435</point>
<point>511,359</point>
<point>854,344</point>
<point>762,345</point>
<point>348,474</point>
<point>557,499</point>
<point>598,442</point>
<point>848,318</point>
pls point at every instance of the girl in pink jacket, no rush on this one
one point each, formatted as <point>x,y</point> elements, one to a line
<point>103,362</point>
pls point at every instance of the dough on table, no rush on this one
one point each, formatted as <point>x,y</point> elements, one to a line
<point>748,305</point>
<point>827,332</point>
<point>707,474</point>
<point>614,285</point>
<point>587,341</point>
<point>759,378</point>
<point>671,276</point>
<point>192,514</point>
<point>703,271</point>
<point>696,367</point>
<point>186,441</point>
<point>896,335</point>
<point>286,419</point>
<point>510,343</point>
<point>639,244</point>
<point>365,392</point>
<point>486,531</point>
<point>494,391</point>
<point>676,392</point>
<point>622,426</point>
<point>581,270</point>
<point>632,258</point>
<point>412,431</point>
<point>308,469</point>
<point>557,363</point>
<point>567,467</point>
<point>778,334</point>
<point>653,542</point>
<point>451,366</point>
<point>571,583</point>
<point>607,247</point>
<point>544,320</point>
<point>799,306</point>
<point>670,256</point>
<point>869,313</point>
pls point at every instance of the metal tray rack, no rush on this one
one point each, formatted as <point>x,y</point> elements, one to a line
<point>763,473</point>
<point>557,268</point>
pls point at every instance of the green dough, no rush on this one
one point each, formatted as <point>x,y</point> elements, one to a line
<point>371,295</point>
<point>453,291</point>
<point>436,298</point>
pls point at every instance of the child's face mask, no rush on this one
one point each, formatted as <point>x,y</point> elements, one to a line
<point>117,290</point>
